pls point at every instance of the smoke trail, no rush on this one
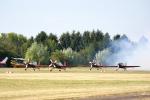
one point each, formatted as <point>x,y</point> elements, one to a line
<point>132,53</point>
<point>141,54</point>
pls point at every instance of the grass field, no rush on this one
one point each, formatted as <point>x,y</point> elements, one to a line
<point>74,83</point>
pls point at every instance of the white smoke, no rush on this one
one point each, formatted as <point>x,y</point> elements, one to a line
<point>141,54</point>
<point>132,53</point>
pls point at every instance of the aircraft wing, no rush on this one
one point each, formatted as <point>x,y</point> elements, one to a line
<point>109,66</point>
<point>131,66</point>
<point>121,66</point>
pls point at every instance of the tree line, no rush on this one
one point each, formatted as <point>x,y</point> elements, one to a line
<point>74,47</point>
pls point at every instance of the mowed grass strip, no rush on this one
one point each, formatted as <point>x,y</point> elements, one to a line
<point>54,89</point>
<point>20,84</point>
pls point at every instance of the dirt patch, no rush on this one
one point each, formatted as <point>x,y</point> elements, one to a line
<point>128,96</point>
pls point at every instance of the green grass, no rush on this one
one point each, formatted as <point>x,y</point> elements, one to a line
<point>72,83</point>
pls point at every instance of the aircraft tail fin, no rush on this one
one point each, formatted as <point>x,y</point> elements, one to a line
<point>4,60</point>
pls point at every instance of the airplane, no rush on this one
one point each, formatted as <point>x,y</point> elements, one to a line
<point>59,66</point>
<point>119,66</point>
<point>124,66</point>
<point>3,62</point>
<point>94,65</point>
<point>31,65</point>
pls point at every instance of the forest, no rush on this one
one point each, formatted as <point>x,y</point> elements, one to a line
<point>74,47</point>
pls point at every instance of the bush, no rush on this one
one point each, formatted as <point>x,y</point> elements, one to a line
<point>38,53</point>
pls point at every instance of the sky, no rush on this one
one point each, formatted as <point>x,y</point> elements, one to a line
<point>29,17</point>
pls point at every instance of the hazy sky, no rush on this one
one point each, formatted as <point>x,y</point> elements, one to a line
<point>29,17</point>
